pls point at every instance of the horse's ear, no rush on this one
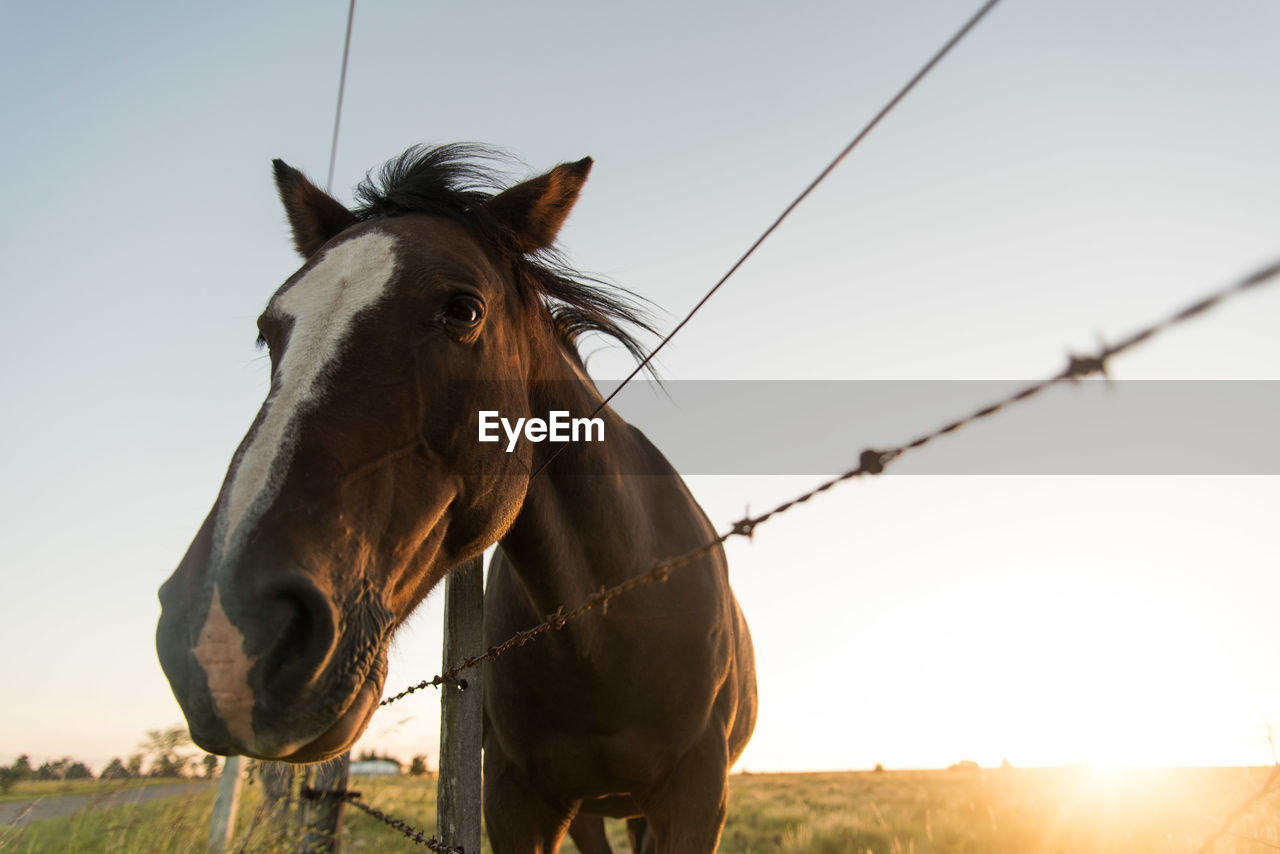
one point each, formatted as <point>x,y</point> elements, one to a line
<point>314,215</point>
<point>535,210</point>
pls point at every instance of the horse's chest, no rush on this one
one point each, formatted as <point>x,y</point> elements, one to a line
<point>587,736</point>
<point>579,765</point>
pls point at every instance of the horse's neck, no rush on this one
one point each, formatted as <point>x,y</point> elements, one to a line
<point>586,522</point>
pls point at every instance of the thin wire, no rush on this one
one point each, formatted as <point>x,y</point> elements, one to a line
<point>404,827</point>
<point>342,88</point>
<point>884,111</point>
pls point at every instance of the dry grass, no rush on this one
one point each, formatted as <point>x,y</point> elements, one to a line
<point>1027,811</point>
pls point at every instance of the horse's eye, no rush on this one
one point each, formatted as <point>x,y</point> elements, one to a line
<point>463,311</point>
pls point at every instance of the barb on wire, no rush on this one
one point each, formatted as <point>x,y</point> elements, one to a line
<point>408,830</point>
<point>870,462</point>
<point>795,203</point>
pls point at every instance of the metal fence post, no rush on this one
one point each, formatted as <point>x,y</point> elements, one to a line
<point>223,824</point>
<point>461,711</point>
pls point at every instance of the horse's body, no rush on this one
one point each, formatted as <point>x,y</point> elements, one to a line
<point>362,482</point>
<point>639,710</point>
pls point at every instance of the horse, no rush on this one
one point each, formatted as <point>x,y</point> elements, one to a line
<point>364,479</point>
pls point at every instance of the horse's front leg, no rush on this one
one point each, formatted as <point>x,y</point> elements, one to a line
<point>639,836</point>
<point>686,812</point>
<point>587,832</point>
<point>518,819</point>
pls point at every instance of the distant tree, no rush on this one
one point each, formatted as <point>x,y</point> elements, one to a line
<point>162,746</point>
<point>78,771</point>
<point>134,765</point>
<point>418,767</point>
<point>1005,764</point>
<point>22,767</point>
<point>879,769</point>
<point>7,778</point>
<point>167,766</point>
<point>115,770</point>
<point>965,765</point>
<point>210,763</point>
<point>53,770</point>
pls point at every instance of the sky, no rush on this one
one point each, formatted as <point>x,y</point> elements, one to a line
<point>1071,172</point>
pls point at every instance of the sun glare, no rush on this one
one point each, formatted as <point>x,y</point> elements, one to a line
<point>1125,680</point>
<point>1080,663</point>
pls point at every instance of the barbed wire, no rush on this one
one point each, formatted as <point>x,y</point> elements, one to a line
<point>870,462</point>
<point>342,88</point>
<point>795,203</point>
<point>353,798</point>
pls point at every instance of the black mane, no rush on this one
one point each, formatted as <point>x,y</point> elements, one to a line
<point>455,181</point>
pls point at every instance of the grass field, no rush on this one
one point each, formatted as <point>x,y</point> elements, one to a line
<point>1027,811</point>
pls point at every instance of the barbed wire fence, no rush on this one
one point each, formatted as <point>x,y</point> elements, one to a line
<point>410,832</point>
<point>870,462</point>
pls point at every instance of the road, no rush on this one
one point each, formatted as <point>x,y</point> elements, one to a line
<point>17,813</point>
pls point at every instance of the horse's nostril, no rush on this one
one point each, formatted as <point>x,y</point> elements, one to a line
<point>306,635</point>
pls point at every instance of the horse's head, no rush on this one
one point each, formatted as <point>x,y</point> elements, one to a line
<point>361,481</point>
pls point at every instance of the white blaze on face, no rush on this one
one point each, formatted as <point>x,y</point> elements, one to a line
<point>220,651</point>
<point>323,304</point>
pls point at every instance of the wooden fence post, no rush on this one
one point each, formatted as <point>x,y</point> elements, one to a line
<point>225,804</point>
<point>461,711</point>
<point>323,811</point>
<point>277,779</point>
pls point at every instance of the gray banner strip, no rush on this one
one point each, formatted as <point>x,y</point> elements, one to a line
<point>1087,427</point>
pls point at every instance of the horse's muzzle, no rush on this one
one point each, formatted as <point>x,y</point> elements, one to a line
<point>271,666</point>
